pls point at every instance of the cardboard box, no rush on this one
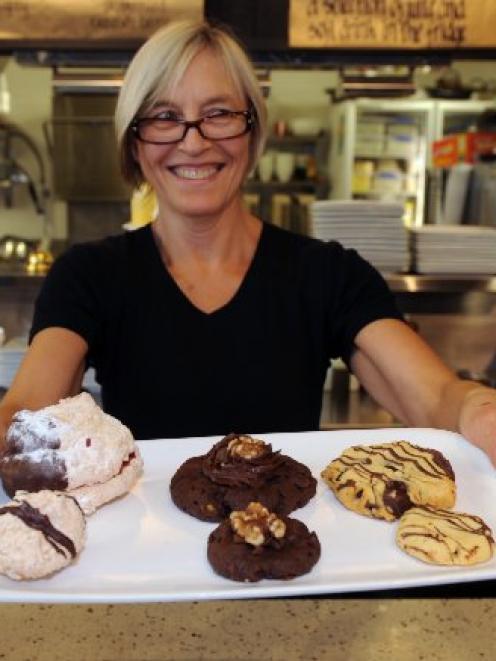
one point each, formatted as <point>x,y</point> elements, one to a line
<point>462,148</point>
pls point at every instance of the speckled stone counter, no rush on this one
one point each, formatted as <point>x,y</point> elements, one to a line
<point>307,629</point>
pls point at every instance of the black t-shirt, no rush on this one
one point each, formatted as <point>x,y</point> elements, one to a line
<point>255,365</point>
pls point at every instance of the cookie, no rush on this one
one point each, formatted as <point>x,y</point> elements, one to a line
<point>72,446</point>
<point>253,544</point>
<point>40,533</point>
<point>443,537</point>
<point>236,471</point>
<point>383,481</point>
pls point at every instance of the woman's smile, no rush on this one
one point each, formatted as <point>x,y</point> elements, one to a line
<point>196,172</point>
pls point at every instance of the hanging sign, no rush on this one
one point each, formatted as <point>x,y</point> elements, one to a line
<point>392,24</point>
<point>89,20</point>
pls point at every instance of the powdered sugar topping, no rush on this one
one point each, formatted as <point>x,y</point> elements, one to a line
<point>91,443</point>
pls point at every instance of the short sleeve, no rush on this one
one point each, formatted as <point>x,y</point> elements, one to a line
<point>70,296</point>
<point>360,297</point>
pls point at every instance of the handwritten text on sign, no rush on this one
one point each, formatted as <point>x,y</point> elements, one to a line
<point>392,23</point>
<point>90,19</point>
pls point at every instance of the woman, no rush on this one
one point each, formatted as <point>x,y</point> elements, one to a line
<point>210,320</point>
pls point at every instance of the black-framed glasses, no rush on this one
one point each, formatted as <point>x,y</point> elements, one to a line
<point>218,125</point>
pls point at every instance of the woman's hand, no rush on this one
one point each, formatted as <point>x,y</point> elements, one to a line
<point>477,421</point>
<point>403,374</point>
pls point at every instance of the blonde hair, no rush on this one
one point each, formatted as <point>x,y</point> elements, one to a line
<point>159,65</point>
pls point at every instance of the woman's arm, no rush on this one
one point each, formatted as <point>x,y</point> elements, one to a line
<point>407,377</point>
<point>52,368</point>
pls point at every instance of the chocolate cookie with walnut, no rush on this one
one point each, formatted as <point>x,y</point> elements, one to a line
<point>254,543</point>
<point>237,470</point>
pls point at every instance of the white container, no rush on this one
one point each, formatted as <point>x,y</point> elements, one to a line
<point>388,178</point>
<point>402,140</point>
<point>305,126</point>
<point>369,145</point>
<point>266,167</point>
<point>401,146</point>
<point>372,128</point>
<point>284,166</point>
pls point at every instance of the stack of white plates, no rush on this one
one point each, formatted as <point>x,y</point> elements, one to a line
<point>375,229</point>
<point>445,249</point>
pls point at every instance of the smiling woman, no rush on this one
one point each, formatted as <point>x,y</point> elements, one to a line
<point>209,319</point>
<point>161,64</point>
<point>194,150</point>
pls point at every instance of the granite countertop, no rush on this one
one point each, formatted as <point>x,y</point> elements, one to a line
<point>307,629</point>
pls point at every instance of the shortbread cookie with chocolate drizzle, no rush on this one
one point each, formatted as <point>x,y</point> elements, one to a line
<point>40,533</point>
<point>443,537</point>
<point>254,543</point>
<point>237,470</point>
<point>383,481</point>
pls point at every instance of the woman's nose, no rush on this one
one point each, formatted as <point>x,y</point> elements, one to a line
<point>193,140</point>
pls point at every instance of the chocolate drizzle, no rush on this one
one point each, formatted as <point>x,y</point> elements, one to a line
<point>222,467</point>
<point>426,460</point>
<point>34,519</point>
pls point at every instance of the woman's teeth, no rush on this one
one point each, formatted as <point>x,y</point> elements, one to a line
<point>195,173</point>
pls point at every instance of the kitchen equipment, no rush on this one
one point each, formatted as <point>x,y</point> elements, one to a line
<point>449,86</point>
<point>373,81</point>
<point>13,173</point>
<point>15,249</point>
<point>81,141</point>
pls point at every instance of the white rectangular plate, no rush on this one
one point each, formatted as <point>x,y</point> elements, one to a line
<point>141,548</point>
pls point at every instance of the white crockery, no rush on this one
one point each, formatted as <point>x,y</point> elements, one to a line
<point>284,166</point>
<point>305,125</point>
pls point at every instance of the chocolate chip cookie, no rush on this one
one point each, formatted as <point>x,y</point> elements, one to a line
<point>383,481</point>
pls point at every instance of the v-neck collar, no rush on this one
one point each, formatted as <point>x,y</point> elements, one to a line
<point>162,273</point>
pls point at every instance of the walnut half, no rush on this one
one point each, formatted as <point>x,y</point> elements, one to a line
<point>255,523</point>
<point>246,447</point>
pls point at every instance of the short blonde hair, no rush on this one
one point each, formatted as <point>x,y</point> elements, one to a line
<point>159,65</point>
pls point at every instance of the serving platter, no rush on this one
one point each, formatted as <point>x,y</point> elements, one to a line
<point>141,548</point>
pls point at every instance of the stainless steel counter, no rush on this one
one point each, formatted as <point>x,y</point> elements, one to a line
<point>398,282</point>
<point>412,283</point>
